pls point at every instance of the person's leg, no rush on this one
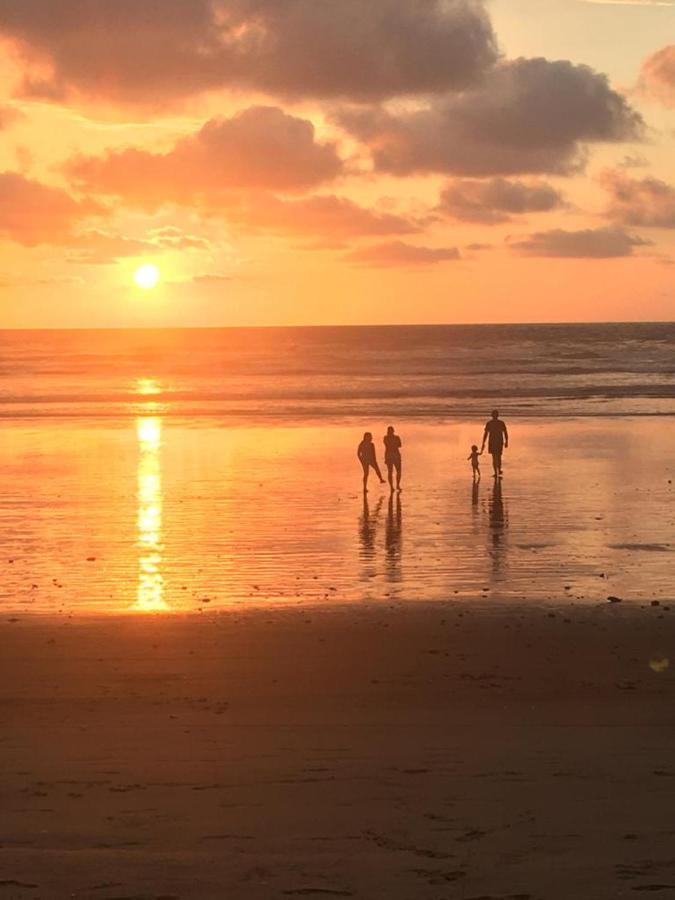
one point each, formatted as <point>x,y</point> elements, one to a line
<point>365,477</point>
<point>495,462</point>
<point>377,472</point>
<point>498,460</point>
<point>390,475</point>
<point>398,466</point>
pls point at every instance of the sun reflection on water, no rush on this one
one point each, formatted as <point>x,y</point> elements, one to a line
<point>150,590</point>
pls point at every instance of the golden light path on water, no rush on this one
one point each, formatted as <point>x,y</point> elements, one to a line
<point>150,588</point>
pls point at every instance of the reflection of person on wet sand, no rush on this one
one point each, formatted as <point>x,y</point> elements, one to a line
<point>392,457</point>
<point>368,527</point>
<point>496,510</point>
<point>392,537</point>
<point>368,459</point>
<point>498,522</point>
<point>497,438</point>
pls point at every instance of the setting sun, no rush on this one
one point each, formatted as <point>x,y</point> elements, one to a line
<point>147,276</point>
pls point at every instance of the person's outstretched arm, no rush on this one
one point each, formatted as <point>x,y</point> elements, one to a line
<point>506,436</point>
<point>485,434</point>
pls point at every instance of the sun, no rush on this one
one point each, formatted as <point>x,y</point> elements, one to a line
<point>147,276</point>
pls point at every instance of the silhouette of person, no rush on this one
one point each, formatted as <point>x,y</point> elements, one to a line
<point>392,457</point>
<point>368,459</point>
<point>497,438</point>
<point>475,466</point>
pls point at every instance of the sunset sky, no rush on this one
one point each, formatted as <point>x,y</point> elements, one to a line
<point>336,161</point>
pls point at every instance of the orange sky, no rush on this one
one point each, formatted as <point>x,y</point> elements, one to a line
<point>306,161</point>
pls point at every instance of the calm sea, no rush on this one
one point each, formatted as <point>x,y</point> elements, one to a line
<point>422,372</point>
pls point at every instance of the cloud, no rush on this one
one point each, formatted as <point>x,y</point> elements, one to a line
<point>211,278</point>
<point>173,238</point>
<point>259,148</point>
<point>497,200</point>
<point>9,115</point>
<point>32,213</point>
<point>158,51</point>
<point>633,161</point>
<point>99,247</point>
<point>667,3</point>
<point>648,202</point>
<point>235,168</point>
<point>398,253</point>
<point>590,243</point>
<point>327,216</point>
<point>527,116</point>
<point>657,76</point>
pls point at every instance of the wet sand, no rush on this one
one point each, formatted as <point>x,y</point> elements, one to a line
<point>159,514</point>
<point>449,750</point>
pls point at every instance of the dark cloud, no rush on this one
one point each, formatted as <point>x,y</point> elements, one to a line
<point>639,201</point>
<point>590,243</point>
<point>32,213</point>
<point>657,77</point>
<point>259,148</point>
<point>398,253</point>
<point>156,51</point>
<point>527,116</point>
<point>496,200</point>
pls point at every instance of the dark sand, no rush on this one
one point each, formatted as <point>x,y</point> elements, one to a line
<point>434,751</point>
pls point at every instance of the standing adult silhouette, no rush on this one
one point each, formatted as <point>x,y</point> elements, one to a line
<point>392,457</point>
<point>497,438</point>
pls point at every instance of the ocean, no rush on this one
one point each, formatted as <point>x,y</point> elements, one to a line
<point>195,471</point>
<point>337,374</point>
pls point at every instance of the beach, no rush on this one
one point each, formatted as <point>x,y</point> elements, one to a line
<point>429,750</point>
<point>227,672</point>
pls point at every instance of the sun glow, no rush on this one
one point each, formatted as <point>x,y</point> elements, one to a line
<point>147,276</point>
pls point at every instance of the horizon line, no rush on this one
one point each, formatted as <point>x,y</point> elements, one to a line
<point>326,326</point>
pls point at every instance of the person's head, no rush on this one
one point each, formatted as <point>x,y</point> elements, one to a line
<point>495,413</point>
<point>367,437</point>
<point>390,430</point>
<point>474,448</point>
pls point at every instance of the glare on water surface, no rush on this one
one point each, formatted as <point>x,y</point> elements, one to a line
<point>150,591</point>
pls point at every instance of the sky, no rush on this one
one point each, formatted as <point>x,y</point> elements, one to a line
<point>301,162</point>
